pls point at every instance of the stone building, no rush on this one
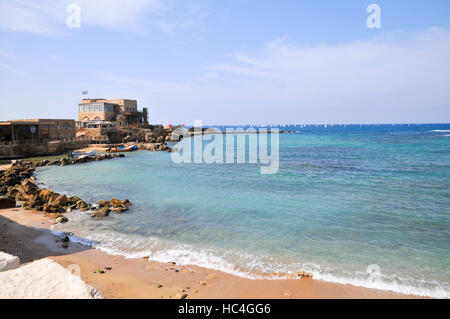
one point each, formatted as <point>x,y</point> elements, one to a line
<point>36,131</point>
<point>38,137</point>
<point>101,120</point>
<point>122,111</point>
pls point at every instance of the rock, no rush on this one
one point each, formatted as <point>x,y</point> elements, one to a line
<point>125,203</point>
<point>182,296</point>
<point>157,285</point>
<point>82,205</point>
<point>65,239</point>
<point>65,245</point>
<point>119,210</point>
<point>7,202</point>
<point>115,202</point>
<point>3,189</point>
<point>21,197</point>
<point>304,274</point>
<point>8,262</point>
<point>72,200</point>
<point>14,191</point>
<point>33,202</point>
<point>104,203</point>
<point>11,181</point>
<point>101,212</point>
<point>61,219</point>
<point>120,205</point>
<point>163,147</point>
<point>58,200</point>
<point>45,194</point>
<point>50,208</point>
<point>29,187</point>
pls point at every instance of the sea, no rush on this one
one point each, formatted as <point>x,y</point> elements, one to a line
<point>367,205</point>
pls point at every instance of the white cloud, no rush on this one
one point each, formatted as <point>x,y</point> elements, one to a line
<point>6,66</point>
<point>393,79</point>
<point>12,70</point>
<point>8,55</point>
<point>376,79</point>
<point>178,16</point>
<point>27,16</point>
<point>116,13</point>
<point>48,17</point>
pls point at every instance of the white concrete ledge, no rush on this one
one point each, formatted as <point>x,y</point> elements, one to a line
<point>44,279</point>
<point>8,262</point>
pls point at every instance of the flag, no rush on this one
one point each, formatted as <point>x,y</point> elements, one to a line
<point>84,92</point>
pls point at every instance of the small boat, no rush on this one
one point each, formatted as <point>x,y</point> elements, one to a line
<point>130,148</point>
<point>82,154</point>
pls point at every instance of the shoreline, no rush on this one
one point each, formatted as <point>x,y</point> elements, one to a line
<point>27,234</point>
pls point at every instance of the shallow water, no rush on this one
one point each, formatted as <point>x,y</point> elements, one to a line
<point>344,198</point>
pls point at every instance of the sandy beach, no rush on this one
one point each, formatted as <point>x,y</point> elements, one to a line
<point>26,234</point>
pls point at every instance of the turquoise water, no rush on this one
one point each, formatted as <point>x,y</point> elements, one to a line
<point>344,198</point>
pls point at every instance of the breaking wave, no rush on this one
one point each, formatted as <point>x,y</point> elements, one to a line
<point>253,267</point>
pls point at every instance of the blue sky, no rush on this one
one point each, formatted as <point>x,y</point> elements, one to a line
<point>229,62</point>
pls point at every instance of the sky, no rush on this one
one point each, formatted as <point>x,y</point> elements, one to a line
<point>229,62</point>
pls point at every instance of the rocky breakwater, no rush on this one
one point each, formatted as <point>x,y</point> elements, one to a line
<point>18,188</point>
<point>157,146</point>
<point>80,160</point>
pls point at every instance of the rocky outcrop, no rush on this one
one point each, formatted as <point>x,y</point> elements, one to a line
<point>304,274</point>
<point>120,206</point>
<point>156,147</point>
<point>17,187</point>
<point>72,161</point>
<point>6,202</point>
<point>101,212</point>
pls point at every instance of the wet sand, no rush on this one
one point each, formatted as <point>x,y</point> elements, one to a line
<point>25,233</point>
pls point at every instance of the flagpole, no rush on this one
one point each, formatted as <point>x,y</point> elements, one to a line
<point>85,93</point>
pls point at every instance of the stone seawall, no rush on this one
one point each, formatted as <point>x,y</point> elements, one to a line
<point>41,149</point>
